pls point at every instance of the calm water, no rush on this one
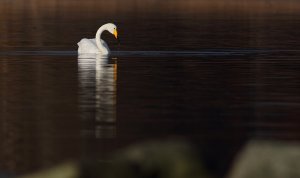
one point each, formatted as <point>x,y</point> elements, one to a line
<point>215,79</point>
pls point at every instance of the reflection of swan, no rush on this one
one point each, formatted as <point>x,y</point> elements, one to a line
<point>97,77</point>
<point>97,45</point>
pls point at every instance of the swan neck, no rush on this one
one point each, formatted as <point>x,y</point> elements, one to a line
<point>98,37</point>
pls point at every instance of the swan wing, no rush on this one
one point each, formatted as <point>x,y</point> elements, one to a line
<point>86,46</point>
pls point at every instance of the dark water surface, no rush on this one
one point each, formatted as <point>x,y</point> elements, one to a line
<point>216,79</point>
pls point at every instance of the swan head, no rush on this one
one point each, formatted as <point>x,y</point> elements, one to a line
<point>112,28</point>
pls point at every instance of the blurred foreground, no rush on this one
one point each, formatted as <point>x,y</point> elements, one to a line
<point>174,159</point>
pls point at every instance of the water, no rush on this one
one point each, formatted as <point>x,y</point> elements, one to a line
<point>215,79</point>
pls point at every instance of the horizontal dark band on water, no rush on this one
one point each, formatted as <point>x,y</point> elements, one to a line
<point>237,52</point>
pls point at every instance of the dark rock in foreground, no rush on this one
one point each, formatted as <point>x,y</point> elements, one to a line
<point>263,159</point>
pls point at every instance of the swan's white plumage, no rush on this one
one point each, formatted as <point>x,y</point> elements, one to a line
<point>97,45</point>
<point>87,46</point>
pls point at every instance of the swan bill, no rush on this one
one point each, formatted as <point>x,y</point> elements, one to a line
<point>116,33</point>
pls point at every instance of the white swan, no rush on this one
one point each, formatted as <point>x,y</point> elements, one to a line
<point>97,45</point>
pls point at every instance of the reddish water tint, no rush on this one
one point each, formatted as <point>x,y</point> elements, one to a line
<point>239,80</point>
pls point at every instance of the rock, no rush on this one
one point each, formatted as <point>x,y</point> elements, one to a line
<point>170,159</point>
<point>65,170</point>
<point>268,159</point>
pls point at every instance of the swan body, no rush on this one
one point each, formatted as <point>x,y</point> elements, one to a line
<point>97,45</point>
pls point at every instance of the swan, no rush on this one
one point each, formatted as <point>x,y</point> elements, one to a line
<point>97,45</point>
